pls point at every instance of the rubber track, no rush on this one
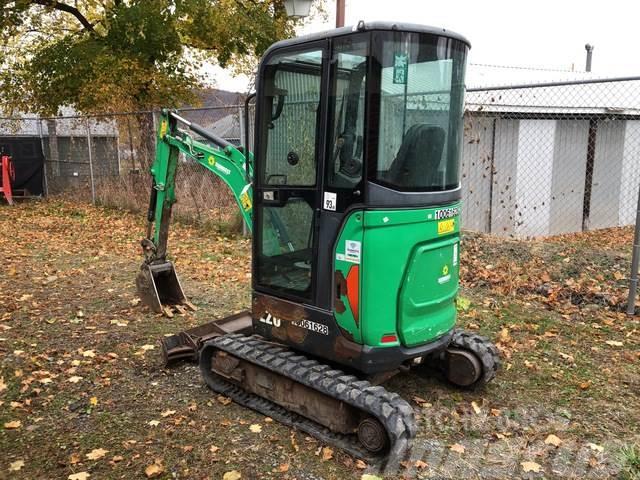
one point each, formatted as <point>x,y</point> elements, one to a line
<point>394,413</point>
<point>483,349</point>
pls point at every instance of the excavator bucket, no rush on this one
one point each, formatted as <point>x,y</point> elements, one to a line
<point>159,287</point>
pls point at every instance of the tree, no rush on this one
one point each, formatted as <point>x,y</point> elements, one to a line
<point>115,55</point>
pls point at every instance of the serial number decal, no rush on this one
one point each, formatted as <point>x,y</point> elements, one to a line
<point>446,226</point>
<point>447,213</point>
<point>312,326</point>
<point>306,324</point>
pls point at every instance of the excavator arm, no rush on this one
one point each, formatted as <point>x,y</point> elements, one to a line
<point>157,282</point>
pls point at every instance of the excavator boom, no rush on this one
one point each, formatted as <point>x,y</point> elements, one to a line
<point>158,284</point>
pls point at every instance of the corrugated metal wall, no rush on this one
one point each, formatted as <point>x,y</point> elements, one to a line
<point>537,184</point>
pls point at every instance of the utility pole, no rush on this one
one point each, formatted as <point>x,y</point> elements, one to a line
<point>589,49</point>
<point>340,13</point>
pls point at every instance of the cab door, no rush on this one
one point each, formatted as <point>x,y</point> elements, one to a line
<point>288,155</point>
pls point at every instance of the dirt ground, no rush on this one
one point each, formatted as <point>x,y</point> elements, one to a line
<point>83,394</point>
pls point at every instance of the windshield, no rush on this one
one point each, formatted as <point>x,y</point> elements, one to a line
<point>421,107</point>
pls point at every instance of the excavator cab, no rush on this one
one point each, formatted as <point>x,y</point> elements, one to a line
<point>353,199</point>
<point>356,193</point>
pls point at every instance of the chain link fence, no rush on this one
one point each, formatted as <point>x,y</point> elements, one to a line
<point>538,159</point>
<point>552,158</point>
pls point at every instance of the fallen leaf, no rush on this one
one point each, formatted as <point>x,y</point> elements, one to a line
<point>74,379</point>
<point>93,401</point>
<point>283,468</point>
<point>367,476</point>
<point>420,464</point>
<point>153,470</point>
<point>213,449</point>
<point>476,408</point>
<point>456,447</point>
<point>147,347</point>
<point>12,425</point>
<point>167,413</point>
<point>154,423</point>
<point>78,476</point>
<point>74,458</point>
<point>568,358</point>
<point>361,465</point>
<point>595,447</point>
<point>530,467</point>
<point>187,448</point>
<point>232,475</point>
<point>553,440</point>
<point>255,428</point>
<point>224,400</point>
<point>614,343</point>
<point>16,466</point>
<point>327,453</point>
<point>504,336</point>
<point>117,458</point>
<point>3,386</point>
<point>585,385</point>
<point>88,354</point>
<point>96,453</point>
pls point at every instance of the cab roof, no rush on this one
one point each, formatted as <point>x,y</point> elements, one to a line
<point>368,26</point>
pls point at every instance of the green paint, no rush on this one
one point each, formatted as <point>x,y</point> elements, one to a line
<point>228,164</point>
<point>352,231</point>
<point>408,275</point>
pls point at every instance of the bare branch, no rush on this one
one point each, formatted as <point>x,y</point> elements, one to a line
<point>63,7</point>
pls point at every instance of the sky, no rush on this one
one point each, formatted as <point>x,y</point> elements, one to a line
<point>545,34</point>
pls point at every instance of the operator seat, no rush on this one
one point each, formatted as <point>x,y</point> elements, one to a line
<point>419,157</point>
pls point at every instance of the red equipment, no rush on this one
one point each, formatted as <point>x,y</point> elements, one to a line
<point>8,175</point>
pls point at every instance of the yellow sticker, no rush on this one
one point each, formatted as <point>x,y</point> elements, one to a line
<point>246,201</point>
<point>163,128</point>
<point>445,270</point>
<point>446,226</point>
<point>211,160</point>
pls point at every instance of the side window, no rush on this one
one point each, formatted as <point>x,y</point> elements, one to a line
<point>292,105</point>
<point>347,109</point>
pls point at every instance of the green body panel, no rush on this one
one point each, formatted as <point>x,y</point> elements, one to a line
<point>352,230</point>
<point>409,270</point>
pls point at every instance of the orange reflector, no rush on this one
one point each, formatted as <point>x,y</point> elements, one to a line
<point>389,338</point>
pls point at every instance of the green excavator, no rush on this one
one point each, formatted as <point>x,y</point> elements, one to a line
<point>352,195</point>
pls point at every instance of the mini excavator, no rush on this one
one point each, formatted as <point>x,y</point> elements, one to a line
<point>352,195</point>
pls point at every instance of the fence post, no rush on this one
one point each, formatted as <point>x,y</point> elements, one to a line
<point>45,181</point>
<point>635,260</point>
<point>93,187</point>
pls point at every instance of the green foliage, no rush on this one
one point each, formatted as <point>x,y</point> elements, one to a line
<point>114,55</point>
<point>463,304</point>
<point>630,459</point>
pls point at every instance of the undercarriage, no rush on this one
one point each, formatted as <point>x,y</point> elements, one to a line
<point>352,413</point>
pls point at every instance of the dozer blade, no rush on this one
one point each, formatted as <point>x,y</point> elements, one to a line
<point>159,287</point>
<point>186,345</point>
